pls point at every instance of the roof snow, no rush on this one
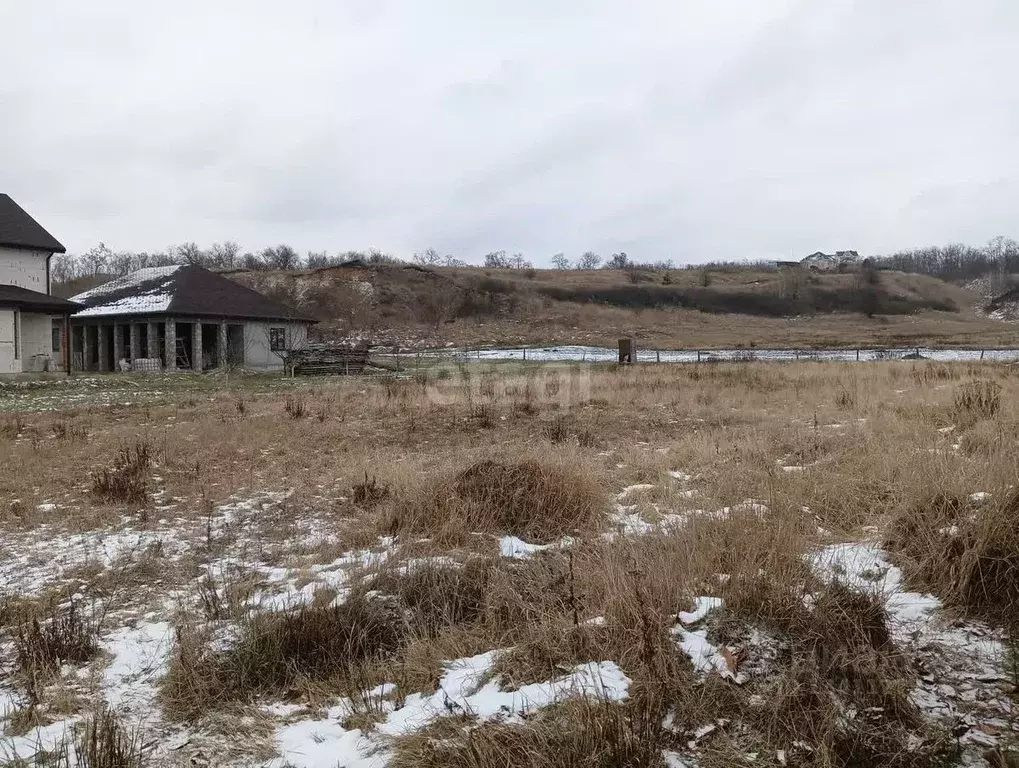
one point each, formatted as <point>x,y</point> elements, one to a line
<point>184,290</point>
<point>141,292</point>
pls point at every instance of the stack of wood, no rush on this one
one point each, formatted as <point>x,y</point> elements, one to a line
<point>325,359</point>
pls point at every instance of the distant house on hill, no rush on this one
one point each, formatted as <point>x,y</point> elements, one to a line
<point>826,262</point>
<point>31,320</point>
<point>182,318</point>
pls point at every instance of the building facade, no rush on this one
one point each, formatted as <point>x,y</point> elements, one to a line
<point>182,318</point>
<point>32,322</point>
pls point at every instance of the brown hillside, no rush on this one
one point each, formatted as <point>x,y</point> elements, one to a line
<point>419,306</point>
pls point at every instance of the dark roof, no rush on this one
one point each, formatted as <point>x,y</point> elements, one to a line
<point>182,290</point>
<point>19,230</point>
<point>33,301</point>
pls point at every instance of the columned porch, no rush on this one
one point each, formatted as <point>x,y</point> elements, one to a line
<point>145,344</point>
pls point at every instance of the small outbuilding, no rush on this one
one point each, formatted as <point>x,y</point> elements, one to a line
<point>182,317</point>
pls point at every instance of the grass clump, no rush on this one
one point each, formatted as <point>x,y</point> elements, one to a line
<point>537,500</point>
<point>574,733</point>
<point>104,742</point>
<point>278,652</point>
<point>127,481</point>
<point>65,636</point>
<point>966,554</point>
<point>438,596</point>
<point>979,399</point>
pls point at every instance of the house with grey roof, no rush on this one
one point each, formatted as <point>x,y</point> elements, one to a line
<point>31,320</point>
<point>182,317</point>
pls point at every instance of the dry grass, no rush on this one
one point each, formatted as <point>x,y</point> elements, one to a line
<point>127,481</point>
<point>279,653</point>
<point>967,553</point>
<point>449,462</point>
<point>539,500</point>
<point>64,636</point>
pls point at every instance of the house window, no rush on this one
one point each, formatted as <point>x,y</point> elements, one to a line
<point>277,339</point>
<point>58,333</point>
<point>17,335</point>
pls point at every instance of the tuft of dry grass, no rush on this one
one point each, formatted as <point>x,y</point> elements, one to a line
<point>967,554</point>
<point>103,742</point>
<point>575,733</point>
<point>278,652</point>
<point>42,645</point>
<point>127,481</point>
<point>538,500</point>
<point>979,399</point>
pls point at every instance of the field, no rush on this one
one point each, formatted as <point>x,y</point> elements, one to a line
<point>710,565</point>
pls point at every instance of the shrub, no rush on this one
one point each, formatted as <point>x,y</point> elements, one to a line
<point>127,481</point>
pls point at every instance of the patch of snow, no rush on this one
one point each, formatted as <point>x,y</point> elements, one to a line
<point>140,658</point>
<point>704,655</point>
<point>702,607</point>
<point>630,489</point>
<point>516,548</point>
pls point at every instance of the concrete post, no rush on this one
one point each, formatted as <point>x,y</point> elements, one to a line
<point>88,347</point>
<point>171,344</point>
<point>196,346</point>
<point>153,341</point>
<point>221,348</point>
<point>103,345</point>
<point>118,345</point>
<point>135,341</point>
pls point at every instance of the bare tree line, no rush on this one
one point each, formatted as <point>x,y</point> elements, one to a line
<point>953,262</point>
<point>957,262</point>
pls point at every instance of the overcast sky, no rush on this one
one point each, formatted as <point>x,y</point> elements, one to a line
<point>666,129</point>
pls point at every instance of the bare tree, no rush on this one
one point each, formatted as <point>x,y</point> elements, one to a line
<point>281,257</point>
<point>618,261</point>
<point>97,259</point>
<point>496,260</point>
<point>428,258</point>
<point>559,261</point>
<point>588,260</point>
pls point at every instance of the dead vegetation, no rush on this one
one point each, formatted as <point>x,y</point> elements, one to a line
<point>279,653</point>
<point>538,500</point>
<point>966,552</point>
<point>733,474</point>
<point>128,480</point>
<point>60,636</point>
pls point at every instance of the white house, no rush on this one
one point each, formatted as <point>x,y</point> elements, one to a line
<point>31,321</point>
<point>182,318</point>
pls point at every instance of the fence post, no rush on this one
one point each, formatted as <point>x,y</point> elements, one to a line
<point>658,356</point>
<point>525,353</point>
<point>698,355</point>
<point>981,354</point>
<point>857,355</point>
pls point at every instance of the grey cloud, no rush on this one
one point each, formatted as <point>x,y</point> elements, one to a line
<point>669,129</point>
